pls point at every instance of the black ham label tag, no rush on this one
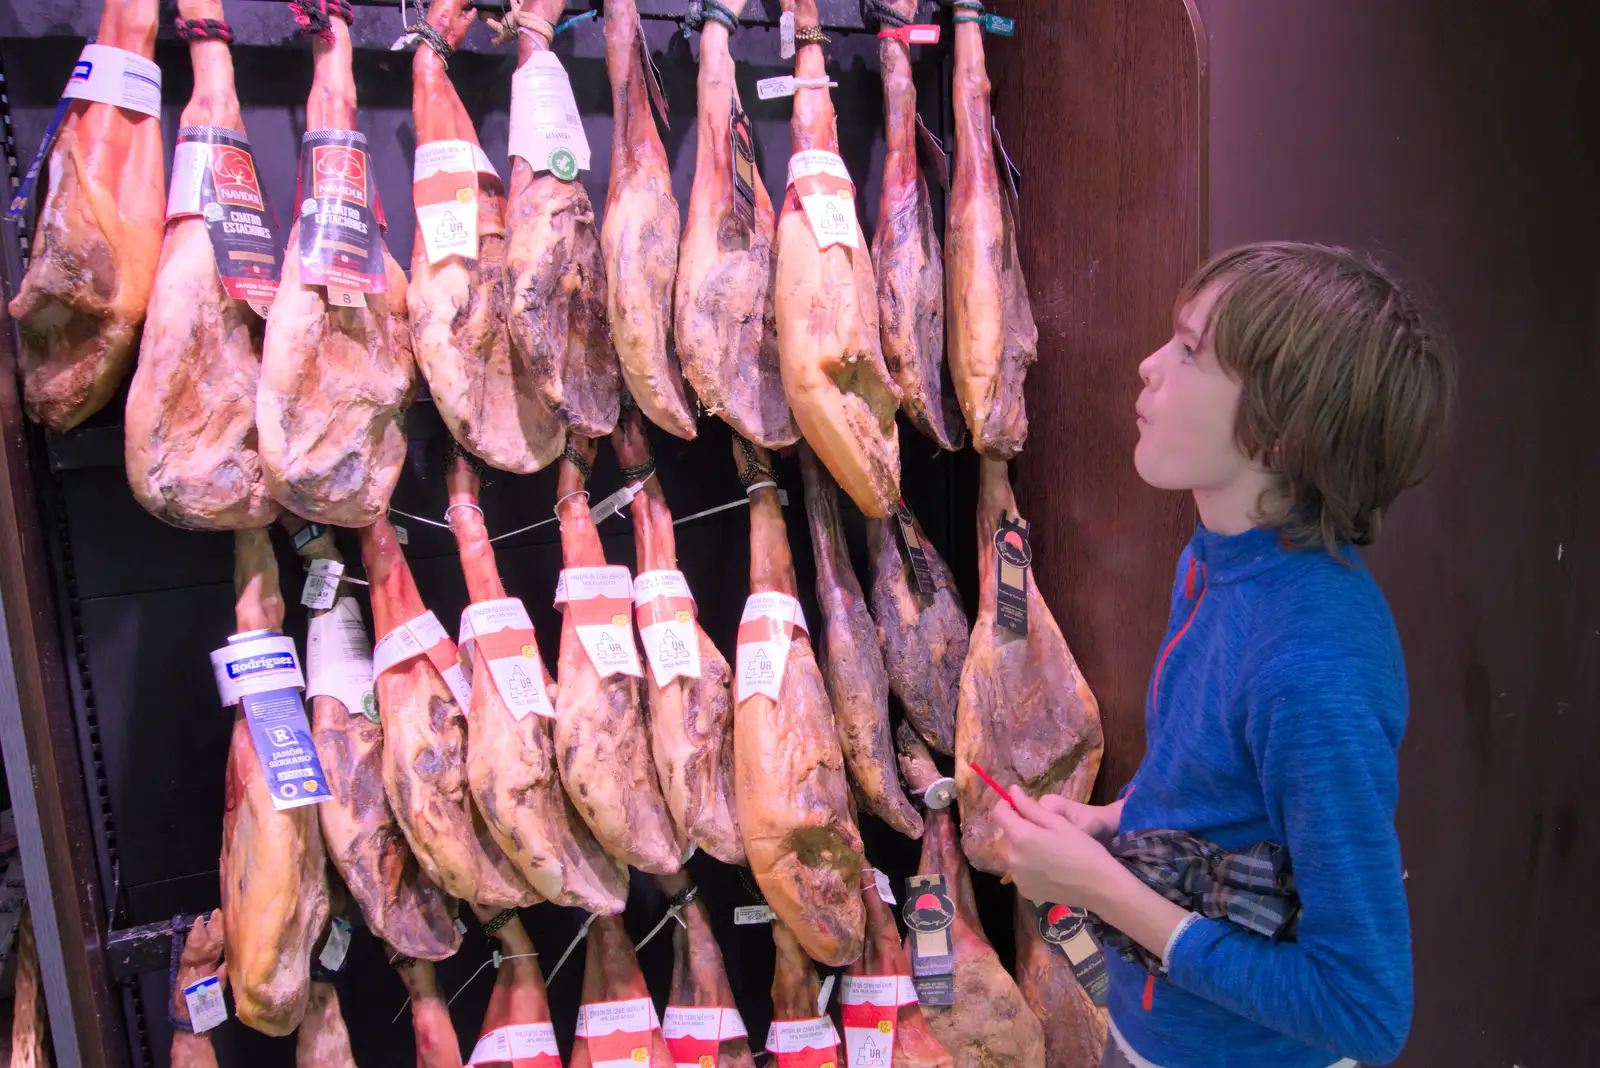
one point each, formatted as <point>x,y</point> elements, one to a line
<point>214,176</point>
<point>744,166</point>
<point>1013,556</point>
<point>1067,929</point>
<point>929,912</point>
<point>341,222</point>
<point>916,555</point>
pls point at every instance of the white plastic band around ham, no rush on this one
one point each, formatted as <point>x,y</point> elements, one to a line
<point>500,634</point>
<point>618,1032</point>
<point>424,636</point>
<point>810,1043</point>
<point>339,659</point>
<point>601,600</point>
<point>765,631</point>
<point>522,1045</point>
<point>665,610</point>
<point>452,156</point>
<point>116,76</point>
<point>257,666</point>
<point>868,1008</point>
<point>694,1033</point>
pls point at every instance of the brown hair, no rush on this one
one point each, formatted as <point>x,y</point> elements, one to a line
<point>1347,389</point>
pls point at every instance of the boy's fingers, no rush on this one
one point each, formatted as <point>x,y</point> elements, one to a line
<point>1058,804</point>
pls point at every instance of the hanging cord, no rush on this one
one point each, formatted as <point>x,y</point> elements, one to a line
<point>315,17</point>
<point>883,14</point>
<point>434,39</point>
<point>679,902</point>
<point>519,18</point>
<point>203,30</point>
<point>180,930</point>
<point>640,474</point>
<point>969,6</point>
<point>756,475</point>
<point>703,11</point>
<point>811,35</point>
<point>575,458</point>
<point>496,958</point>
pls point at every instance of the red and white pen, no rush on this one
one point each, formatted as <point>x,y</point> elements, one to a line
<point>996,787</point>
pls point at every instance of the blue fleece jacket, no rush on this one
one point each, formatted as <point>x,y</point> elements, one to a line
<point>1275,712</point>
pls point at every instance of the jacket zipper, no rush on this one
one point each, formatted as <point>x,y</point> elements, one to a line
<point>1155,686</point>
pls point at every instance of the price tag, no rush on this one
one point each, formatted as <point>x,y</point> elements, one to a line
<point>765,632</point>
<point>601,600</point>
<point>929,912</point>
<point>499,635</point>
<point>424,636</point>
<point>665,611</point>
<point>804,1043</point>
<point>786,35</point>
<point>322,584</point>
<point>880,882</point>
<point>822,182</point>
<point>524,1045</point>
<point>749,915</point>
<point>116,76</point>
<point>206,1007</point>
<point>545,129</point>
<point>1013,555</point>
<point>916,555</point>
<point>915,34</point>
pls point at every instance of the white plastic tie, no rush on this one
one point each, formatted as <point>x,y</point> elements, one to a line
<point>583,933</point>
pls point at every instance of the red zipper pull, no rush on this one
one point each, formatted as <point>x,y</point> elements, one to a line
<point>1188,582</point>
<point>1149,992</point>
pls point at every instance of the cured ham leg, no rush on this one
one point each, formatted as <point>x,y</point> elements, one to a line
<point>557,280</point>
<point>1026,714</point>
<point>639,239</point>
<point>1074,1029</point>
<point>691,719</point>
<point>795,991</point>
<point>190,422</point>
<point>795,808</point>
<point>95,245</point>
<point>611,974</point>
<point>459,305</point>
<point>274,897</point>
<point>401,905</point>
<point>519,999</point>
<point>699,981</point>
<point>335,381</point>
<point>914,1043</point>
<point>511,763</point>
<point>602,737</point>
<point>424,750</point>
<point>202,957</point>
<point>906,253</point>
<point>924,637</point>
<point>323,1041</point>
<point>990,1025</point>
<point>725,329</point>
<point>852,659</point>
<point>437,1045</point>
<point>30,1027</point>
<point>992,334</point>
<point>842,394</point>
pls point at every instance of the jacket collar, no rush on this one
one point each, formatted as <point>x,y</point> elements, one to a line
<point>1230,558</point>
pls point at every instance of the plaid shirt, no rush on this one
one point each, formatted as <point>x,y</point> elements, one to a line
<point>1253,888</point>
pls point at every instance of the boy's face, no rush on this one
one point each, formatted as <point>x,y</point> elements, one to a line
<point>1187,410</point>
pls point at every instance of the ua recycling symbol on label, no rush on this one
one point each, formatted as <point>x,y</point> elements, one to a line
<point>563,164</point>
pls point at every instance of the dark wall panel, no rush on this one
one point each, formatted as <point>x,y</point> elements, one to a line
<point>1458,141</point>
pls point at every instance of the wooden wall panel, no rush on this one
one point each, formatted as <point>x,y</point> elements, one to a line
<point>1102,103</point>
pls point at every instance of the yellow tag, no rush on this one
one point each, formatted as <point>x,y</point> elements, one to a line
<point>619,621</point>
<point>530,651</point>
<point>640,1055</point>
<point>684,617</point>
<point>885,1026</point>
<point>465,195</point>
<point>707,1062</point>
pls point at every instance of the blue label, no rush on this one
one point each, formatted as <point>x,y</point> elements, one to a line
<point>80,71</point>
<point>255,665</point>
<point>285,748</point>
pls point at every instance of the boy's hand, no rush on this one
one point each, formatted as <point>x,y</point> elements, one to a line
<point>1052,857</point>
<point>1100,822</point>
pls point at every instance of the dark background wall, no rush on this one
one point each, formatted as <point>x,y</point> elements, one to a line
<point>1459,139</point>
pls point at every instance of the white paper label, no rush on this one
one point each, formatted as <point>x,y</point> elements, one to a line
<point>444,191</point>
<point>881,882</point>
<point>600,1018</point>
<point>322,584</point>
<point>452,157</point>
<point>792,1036</point>
<point>665,611</point>
<point>424,636</point>
<point>545,129</point>
<point>707,1024</point>
<point>786,35</point>
<point>190,162</point>
<point>765,631</point>
<point>339,659</point>
<point>824,994</point>
<point>116,76</point>
<point>517,1040</point>
<point>827,195</point>
<point>502,632</point>
<point>206,1007</point>
<point>258,666</point>
<point>337,945</point>
<point>890,991</point>
<point>601,600</point>
<point>813,162</point>
<point>400,534</point>
<point>746,915</point>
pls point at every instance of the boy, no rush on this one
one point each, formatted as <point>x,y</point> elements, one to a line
<point>1300,393</point>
